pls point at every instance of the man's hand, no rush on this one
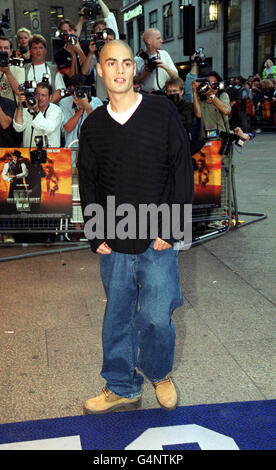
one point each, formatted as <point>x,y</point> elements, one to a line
<point>4,69</point>
<point>160,245</point>
<point>69,48</point>
<point>104,249</point>
<point>195,85</point>
<point>82,103</point>
<point>92,47</point>
<point>21,99</point>
<point>238,131</point>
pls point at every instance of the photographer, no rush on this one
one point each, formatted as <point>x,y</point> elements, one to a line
<point>7,110</point>
<point>108,20</point>
<point>23,52</point>
<point>39,67</point>
<point>10,75</point>
<point>152,73</point>
<point>38,118</point>
<point>211,105</point>
<point>71,56</point>
<point>75,111</point>
<point>175,91</point>
<point>90,63</point>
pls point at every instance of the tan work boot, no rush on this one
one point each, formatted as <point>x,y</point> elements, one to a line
<point>166,394</point>
<point>108,401</point>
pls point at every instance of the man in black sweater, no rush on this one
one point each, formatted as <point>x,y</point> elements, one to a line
<point>134,152</point>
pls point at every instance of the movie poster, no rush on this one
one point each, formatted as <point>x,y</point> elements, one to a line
<point>207,175</point>
<point>31,188</point>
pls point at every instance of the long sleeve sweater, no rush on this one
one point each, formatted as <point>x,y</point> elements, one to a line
<point>145,161</point>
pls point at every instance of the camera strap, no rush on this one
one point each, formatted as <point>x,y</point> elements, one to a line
<point>79,126</point>
<point>32,132</point>
<point>156,70</point>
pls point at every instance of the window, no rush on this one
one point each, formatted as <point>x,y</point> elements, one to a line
<point>153,20</point>
<point>180,18</point>
<point>167,21</point>
<point>234,16</point>
<point>265,38</point>
<point>141,29</point>
<point>130,36</point>
<point>266,11</point>
<point>56,15</point>
<point>204,21</point>
<point>266,48</point>
<point>233,58</point>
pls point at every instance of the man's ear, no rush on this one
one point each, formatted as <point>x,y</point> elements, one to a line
<point>99,70</point>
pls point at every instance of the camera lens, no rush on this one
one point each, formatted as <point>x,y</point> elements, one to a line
<point>31,101</point>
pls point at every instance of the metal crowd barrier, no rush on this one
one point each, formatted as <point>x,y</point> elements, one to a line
<point>227,216</point>
<point>69,235</point>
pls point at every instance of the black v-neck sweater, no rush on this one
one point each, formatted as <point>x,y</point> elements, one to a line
<point>146,160</point>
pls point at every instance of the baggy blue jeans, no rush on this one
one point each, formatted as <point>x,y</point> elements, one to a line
<point>138,333</point>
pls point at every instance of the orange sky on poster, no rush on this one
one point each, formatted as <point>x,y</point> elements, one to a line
<point>63,169</point>
<point>61,158</point>
<point>209,157</point>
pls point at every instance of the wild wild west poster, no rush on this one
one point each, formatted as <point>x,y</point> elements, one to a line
<point>33,188</point>
<point>207,175</point>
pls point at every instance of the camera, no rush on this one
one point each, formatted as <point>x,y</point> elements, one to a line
<point>45,78</point>
<point>99,39</point>
<point>205,86</point>
<point>175,98</point>
<point>23,50</point>
<point>26,88</point>
<point>39,155</point>
<point>64,92</point>
<point>5,60</point>
<point>17,61</point>
<point>92,9</point>
<point>68,38</point>
<point>200,56</point>
<point>81,91</point>
<point>227,140</point>
<point>150,62</point>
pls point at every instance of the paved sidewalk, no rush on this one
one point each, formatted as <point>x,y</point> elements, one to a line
<point>52,309</point>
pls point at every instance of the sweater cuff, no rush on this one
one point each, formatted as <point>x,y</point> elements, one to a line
<point>95,243</point>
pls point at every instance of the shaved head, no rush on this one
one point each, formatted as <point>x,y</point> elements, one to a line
<point>149,32</point>
<point>117,43</point>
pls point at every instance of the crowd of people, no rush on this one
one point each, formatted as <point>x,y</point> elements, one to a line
<point>53,99</point>
<point>255,99</point>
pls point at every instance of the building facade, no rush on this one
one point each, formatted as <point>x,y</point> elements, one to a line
<point>43,16</point>
<point>237,39</point>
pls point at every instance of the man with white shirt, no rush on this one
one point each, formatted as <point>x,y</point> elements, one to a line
<point>90,65</point>
<point>135,150</point>
<point>12,75</point>
<point>43,119</point>
<point>108,20</point>
<point>154,79</point>
<point>36,70</point>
